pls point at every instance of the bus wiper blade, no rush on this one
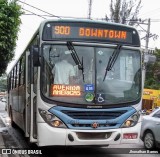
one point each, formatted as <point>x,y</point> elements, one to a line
<point>112,60</point>
<point>75,57</point>
<point>82,69</point>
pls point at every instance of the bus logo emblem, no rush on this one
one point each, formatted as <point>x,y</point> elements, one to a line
<point>95,125</point>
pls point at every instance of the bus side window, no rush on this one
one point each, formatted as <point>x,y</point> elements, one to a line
<point>22,70</point>
<point>12,78</point>
<point>17,74</point>
<point>35,76</point>
<point>9,82</point>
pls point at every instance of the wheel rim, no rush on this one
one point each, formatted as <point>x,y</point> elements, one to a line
<point>149,140</point>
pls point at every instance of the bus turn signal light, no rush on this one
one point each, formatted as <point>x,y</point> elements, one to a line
<point>128,123</point>
<point>131,121</point>
<point>51,119</point>
<point>56,123</point>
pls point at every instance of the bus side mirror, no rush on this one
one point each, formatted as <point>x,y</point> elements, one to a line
<point>35,55</point>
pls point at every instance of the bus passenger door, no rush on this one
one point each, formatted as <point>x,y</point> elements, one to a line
<point>28,93</point>
<point>31,126</point>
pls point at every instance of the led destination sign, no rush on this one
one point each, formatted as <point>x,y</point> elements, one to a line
<point>64,31</point>
<point>88,31</point>
<point>65,90</point>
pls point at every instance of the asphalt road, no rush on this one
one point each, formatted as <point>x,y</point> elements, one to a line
<point>13,138</point>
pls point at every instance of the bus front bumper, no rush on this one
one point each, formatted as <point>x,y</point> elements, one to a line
<point>49,136</point>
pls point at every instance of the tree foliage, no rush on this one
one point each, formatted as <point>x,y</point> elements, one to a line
<point>124,11</point>
<point>153,73</point>
<point>9,26</point>
<point>3,83</point>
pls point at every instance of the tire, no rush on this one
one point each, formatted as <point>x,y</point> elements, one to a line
<point>149,140</point>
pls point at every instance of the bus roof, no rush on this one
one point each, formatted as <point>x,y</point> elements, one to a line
<point>85,21</point>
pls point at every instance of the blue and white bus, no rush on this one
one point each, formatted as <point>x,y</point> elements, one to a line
<point>100,106</point>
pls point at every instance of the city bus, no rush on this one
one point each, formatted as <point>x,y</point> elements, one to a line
<point>94,99</point>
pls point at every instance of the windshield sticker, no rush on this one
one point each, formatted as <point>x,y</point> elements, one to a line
<point>89,97</point>
<point>65,90</point>
<point>88,87</point>
<point>100,98</point>
<point>100,52</point>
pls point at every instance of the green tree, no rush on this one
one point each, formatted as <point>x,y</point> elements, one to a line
<point>124,11</point>
<point>10,13</point>
<point>153,73</point>
<point>3,83</point>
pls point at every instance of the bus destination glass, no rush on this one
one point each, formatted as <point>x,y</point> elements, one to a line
<point>91,32</point>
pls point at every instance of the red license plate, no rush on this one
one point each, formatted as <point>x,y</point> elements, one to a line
<point>130,136</point>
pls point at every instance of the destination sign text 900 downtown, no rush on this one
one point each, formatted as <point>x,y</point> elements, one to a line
<point>60,31</point>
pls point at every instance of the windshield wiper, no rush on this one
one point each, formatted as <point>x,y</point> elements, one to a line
<point>75,57</point>
<point>112,60</point>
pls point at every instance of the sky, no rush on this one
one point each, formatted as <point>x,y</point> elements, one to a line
<point>79,9</point>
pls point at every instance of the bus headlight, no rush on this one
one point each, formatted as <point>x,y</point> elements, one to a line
<point>131,121</point>
<point>51,119</point>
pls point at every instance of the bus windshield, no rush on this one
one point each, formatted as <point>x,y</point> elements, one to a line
<point>79,76</point>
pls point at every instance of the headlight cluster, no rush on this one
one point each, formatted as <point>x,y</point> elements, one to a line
<point>131,121</point>
<point>51,119</point>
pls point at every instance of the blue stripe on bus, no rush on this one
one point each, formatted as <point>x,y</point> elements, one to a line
<point>80,118</point>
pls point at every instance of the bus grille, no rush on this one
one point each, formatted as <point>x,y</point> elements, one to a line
<point>94,115</point>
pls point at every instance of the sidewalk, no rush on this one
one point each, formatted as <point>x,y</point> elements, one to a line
<point>2,127</point>
<point>9,141</point>
<point>3,130</point>
<point>5,137</point>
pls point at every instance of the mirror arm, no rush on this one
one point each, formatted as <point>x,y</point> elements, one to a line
<point>35,55</point>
